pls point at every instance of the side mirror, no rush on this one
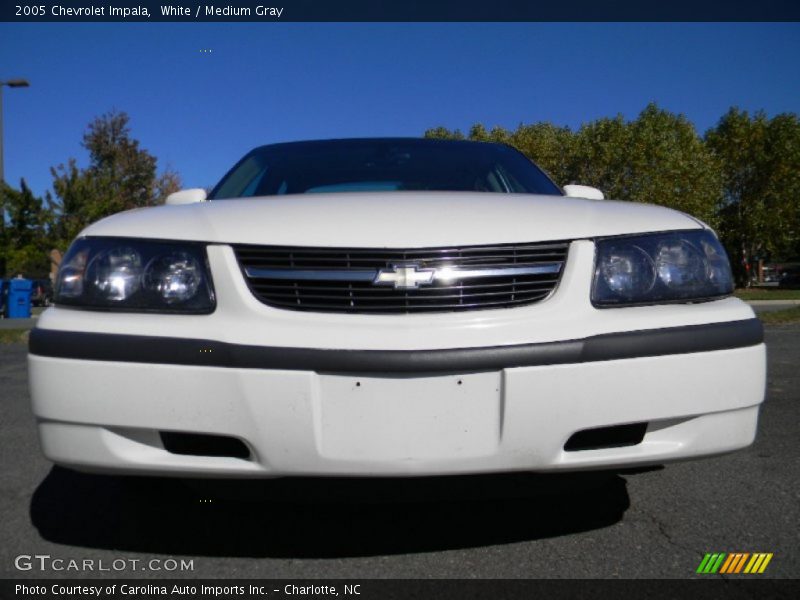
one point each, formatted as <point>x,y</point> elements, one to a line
<point>583,191</point>
<point>189,196</point>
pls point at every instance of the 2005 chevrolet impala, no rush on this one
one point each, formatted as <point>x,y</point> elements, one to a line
<point>393,307</point>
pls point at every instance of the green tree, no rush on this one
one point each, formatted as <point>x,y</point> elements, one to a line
<point>26,235</point>
<point>658,158</point>
<point>601,156</point>
<point>549,146</point>
<point>443,133</point>
<point>120,176</point>
<point>760,158</point>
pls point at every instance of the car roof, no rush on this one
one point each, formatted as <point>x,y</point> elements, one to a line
<point>367,140</point>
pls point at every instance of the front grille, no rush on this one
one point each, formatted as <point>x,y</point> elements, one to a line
<point>370,280</point>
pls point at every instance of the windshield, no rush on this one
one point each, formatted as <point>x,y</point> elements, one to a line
<point>381,165</point>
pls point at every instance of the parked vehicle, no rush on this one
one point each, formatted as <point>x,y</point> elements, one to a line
<point>42,292</point>
<point>393,307</point>
<point>790,278</point>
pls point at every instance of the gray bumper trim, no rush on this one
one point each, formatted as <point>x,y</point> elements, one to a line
<point>198,352</point>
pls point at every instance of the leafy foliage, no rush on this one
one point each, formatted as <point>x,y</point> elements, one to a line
<point>658,158</point>
<point>25,238</point>
<point>760,165</point>
<point>120,176</point>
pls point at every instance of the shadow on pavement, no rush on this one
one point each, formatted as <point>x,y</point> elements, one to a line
<point>334,517</point>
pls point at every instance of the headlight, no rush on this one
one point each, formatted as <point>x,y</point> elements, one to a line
<point>175,277</point>
<point>135,275</point>
<point>115,274</point>
<point>678,266</point>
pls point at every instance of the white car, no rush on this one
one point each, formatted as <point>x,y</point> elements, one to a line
<point>380,307</point>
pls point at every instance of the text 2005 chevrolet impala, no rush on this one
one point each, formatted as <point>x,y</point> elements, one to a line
<point>393,307</point>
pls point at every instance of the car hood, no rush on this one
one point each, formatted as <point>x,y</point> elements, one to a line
<point>393,219</point>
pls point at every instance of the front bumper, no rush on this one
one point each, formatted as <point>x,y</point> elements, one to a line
<point>103,401</point>
<point>322,394</point>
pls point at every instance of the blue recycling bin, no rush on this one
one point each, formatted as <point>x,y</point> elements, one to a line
<point>18,299</point>
<point>2,297</point>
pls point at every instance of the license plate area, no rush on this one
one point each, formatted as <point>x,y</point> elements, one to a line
<point>409,418</point>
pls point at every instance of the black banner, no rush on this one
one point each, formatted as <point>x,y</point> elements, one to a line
<point>398,11</point>
<point>388,589</point>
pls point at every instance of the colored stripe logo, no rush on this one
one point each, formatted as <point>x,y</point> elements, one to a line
<point>734,563</point>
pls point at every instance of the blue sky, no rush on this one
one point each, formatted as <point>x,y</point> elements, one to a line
<point>198,112</point>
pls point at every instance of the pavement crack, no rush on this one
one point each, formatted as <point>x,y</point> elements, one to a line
<point>664,532</point>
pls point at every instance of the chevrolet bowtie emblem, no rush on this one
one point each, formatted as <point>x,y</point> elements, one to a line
<point>404,277</point>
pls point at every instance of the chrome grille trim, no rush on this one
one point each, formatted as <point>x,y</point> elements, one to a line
<point>367,280</point>
<point>369,275</point>
<point>311,274</point>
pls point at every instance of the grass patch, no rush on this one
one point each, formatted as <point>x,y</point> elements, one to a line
<point>767,294</point>
<point>14,336</point>
<point>775,317</point>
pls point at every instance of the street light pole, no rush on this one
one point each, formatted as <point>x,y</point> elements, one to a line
<point>12,83</point>
<point>2,173</point>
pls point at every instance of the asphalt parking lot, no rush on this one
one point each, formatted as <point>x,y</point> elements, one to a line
<point>652,524</point>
